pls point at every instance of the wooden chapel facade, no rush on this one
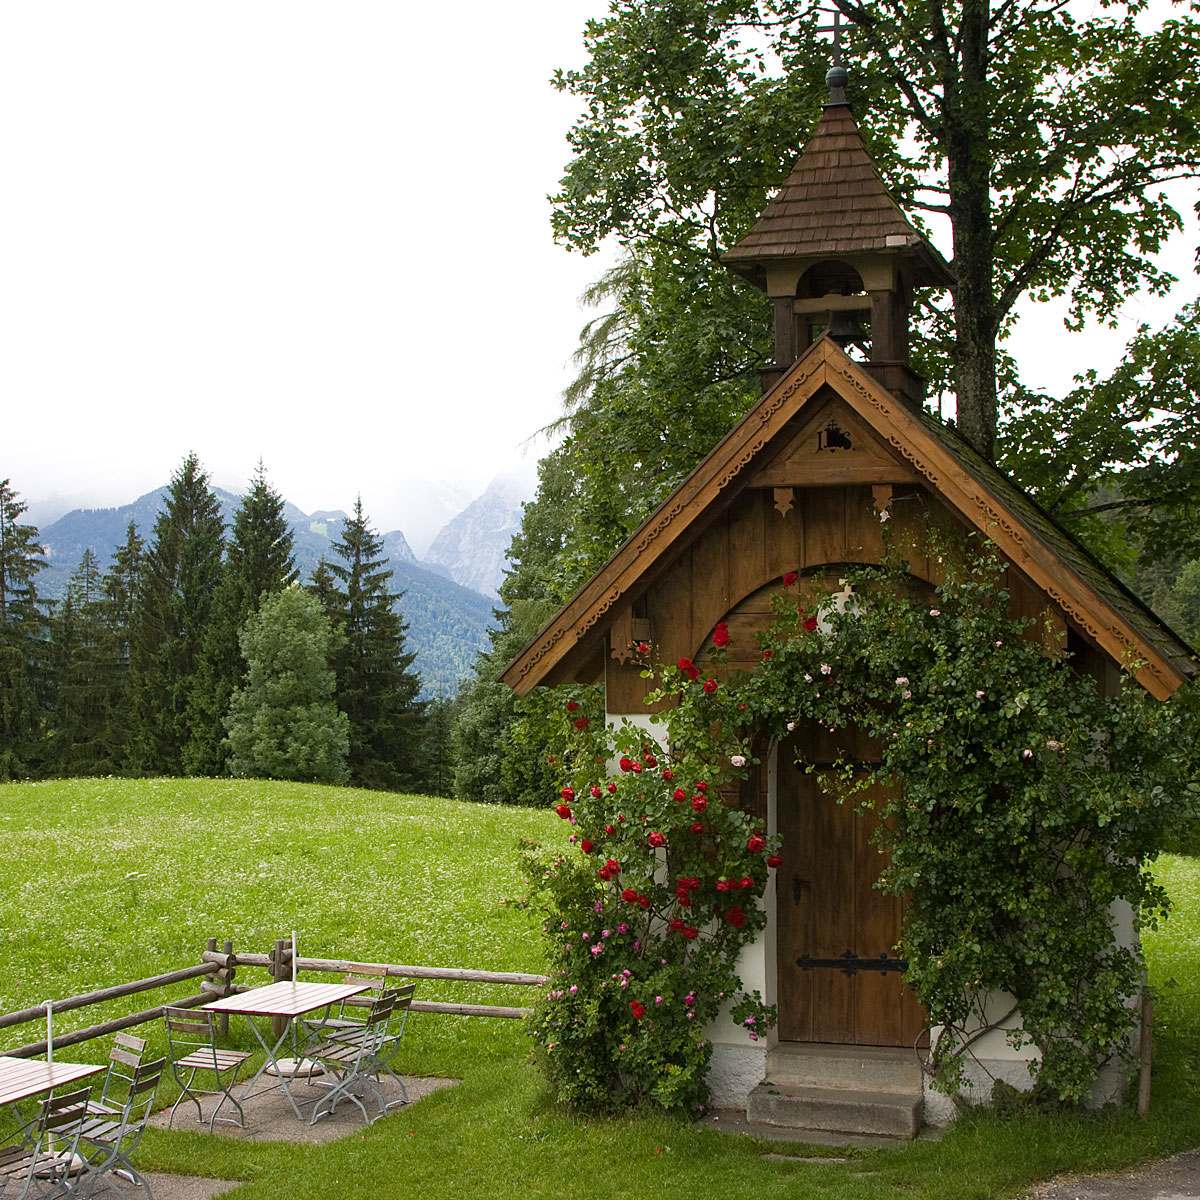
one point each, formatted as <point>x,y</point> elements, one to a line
<point>802,484</point>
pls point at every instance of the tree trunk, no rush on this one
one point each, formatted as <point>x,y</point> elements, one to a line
<point>969,162</point>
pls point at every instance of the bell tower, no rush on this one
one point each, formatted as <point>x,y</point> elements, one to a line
<point>838,257</point>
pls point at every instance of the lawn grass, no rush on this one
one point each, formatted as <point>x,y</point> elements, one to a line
<point>117,879</point>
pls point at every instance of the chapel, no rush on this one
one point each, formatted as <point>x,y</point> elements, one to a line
<point>839,436</point>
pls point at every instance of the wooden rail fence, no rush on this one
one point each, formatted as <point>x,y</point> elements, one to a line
<point>216,972</point>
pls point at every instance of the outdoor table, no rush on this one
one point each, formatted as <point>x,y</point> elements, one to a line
<point>290,1000</point>
<point>21,1078</point>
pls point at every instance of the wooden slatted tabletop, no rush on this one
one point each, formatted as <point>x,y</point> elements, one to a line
<point>287,999</point>
<point>21,1078</point>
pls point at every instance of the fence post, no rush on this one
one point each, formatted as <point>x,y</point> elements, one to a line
<point>281,972</point>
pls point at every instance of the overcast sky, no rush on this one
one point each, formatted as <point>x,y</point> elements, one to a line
<point>311,233</point>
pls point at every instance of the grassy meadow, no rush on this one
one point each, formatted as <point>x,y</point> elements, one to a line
<point>111,880</point>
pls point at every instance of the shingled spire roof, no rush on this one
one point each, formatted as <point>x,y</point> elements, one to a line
<point>833,203</point>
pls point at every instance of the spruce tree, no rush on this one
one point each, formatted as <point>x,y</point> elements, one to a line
<point>23,647</point>
<point>83,674</point>
<point>120,585</point>
<point>258,563</point>
<point>180,573</point>
<point>376,688</point>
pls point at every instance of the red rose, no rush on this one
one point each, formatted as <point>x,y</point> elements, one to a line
<point>563,810</point>
<point>613,865</point>
<point>699,803</point>
<point>756,845</point>
<point>609,830</point>
<point>691,932</point>
<point>691,881</point>
<point>766,654</point>
<point>747,882</point>
<point>595,792</point>
<point>677,926</point>
<point>710,686</point>
<point>568,794</point>
<point>697,827</point>
<point>702,787</point>
<point>668,774</point>
<point>774,861</point>
<point>643,901</point>
<point>643,648</point>
<point>684,899</point>
<point>685,665</point>
<point>721,634</point>
<point>810,623</point>
<point>656,839</point>
<point>639,1009</point>
<point>582,722</point>
<point>722,885</point>
<point>572,706</point>
<point>605,873</point>
<point>694,674</point>
<point>789,578</point>
<point>626,763</point>
<point>585,846</point>
<point>636,767</point>
<point>736,917</point>
<point>679,795</point>
<point>629,896</point>
<point>612,787</point>
<point>650,761</point>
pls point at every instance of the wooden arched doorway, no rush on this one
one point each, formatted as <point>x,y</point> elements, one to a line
<point>839,977</point>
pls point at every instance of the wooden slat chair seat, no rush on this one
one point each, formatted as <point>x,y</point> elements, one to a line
<point>351,1060</point>
<point>107,1141</point>
<point>192,1046</point>
<point>44,1155</point>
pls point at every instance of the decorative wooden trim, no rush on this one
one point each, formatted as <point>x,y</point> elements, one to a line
<point>785,500</point>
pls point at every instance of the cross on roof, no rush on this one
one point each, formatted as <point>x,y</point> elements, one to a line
<point>836,30</point>
<point>836,76</point>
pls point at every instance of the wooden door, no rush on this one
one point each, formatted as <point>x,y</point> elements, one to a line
<point>832,919</point>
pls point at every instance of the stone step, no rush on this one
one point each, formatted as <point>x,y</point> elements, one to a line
<point>854,1068</point>
<point>836,1110</point>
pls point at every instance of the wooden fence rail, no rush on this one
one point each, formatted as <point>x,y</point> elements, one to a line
<point>216,971</point>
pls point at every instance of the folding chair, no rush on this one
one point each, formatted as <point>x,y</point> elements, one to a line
<point>45,1158</point>
<point>352,1060</point>
<point>123,1061</point>
<point>336,1030</point>
<point>192,1046</point>
<point>107,1141</point>
<point>351,1013</point>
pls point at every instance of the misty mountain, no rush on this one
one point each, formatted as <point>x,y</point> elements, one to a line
<point>473,546</point>
<point>447,622</point>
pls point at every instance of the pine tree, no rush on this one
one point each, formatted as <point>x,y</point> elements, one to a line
<point>83,674</point>
<point>23,648</point>
<point>376,688</point>
<point>180,572</point>
<point>120,586</point>
<point>259,562</point>
<point>283,723</point>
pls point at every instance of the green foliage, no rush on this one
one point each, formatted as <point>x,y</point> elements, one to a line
<point>646,923</point>
<point>1041,137</point>
<point>258,562</point>
<point>23,666</point>
<point>180,572</point>
<point>375,687</point>
<point>1025,807</point>
<point>284,724</point>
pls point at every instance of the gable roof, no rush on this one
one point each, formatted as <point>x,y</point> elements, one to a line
<point>834,203</point>
<point>983,496</point>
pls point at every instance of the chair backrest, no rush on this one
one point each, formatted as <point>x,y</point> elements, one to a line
<point>402,998</point>
<point>140,1101</point>
<point>62,1116</point>
<point>377,977</point>
<point>123,1061</point>
<point>189,1028</point>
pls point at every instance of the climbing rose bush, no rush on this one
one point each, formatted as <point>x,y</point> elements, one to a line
<point>659,889</point>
